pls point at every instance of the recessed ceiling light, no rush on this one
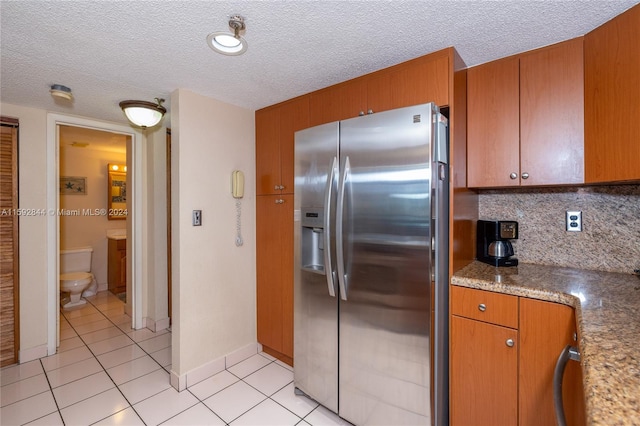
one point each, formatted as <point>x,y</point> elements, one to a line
<point>226,43</point>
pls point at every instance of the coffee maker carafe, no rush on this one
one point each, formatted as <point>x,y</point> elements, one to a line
<point>493,242</point>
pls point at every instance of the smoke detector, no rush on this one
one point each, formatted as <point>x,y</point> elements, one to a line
<point>60,91</point>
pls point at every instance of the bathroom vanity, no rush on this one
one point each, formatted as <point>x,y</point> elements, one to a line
<point>117,264</point>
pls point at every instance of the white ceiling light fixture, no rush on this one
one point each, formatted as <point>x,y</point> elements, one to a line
<point>142,113</point>
<point>61,92</point>
<point>226,43</point>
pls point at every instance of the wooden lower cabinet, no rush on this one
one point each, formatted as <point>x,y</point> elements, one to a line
<point>502,375</point>
<point>484,373</point>
<point>117,268</point>
<point>545,329</point>
<point>274,261</point>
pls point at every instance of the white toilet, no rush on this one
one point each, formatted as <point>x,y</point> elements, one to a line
<point>75,275</point>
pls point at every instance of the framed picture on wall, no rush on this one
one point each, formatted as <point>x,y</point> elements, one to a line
<point>73,185</point>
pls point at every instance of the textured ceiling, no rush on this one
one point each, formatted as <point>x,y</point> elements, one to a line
<point>108,51</point>
<point>73,137</point>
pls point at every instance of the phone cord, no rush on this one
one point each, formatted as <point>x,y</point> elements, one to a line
<point>238,230</point>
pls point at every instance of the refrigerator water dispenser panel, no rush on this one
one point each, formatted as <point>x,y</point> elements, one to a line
<point>312,244</point>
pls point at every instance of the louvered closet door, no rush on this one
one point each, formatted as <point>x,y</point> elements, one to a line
<point>8,244</point>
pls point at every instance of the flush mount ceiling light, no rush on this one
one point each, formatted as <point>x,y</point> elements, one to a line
<point>142,113</point>
<point>60,91</point>
<point>226,43</point>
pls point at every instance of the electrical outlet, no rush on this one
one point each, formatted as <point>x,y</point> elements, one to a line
<point>574,221</point>
<point>197,218</point>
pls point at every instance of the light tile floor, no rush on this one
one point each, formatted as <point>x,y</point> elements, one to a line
<point>109,374</point>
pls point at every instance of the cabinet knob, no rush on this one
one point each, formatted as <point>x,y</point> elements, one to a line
<point>513,175</point>
<point>482,307</point>
<point>361,113</point>
<point>280,201</point>
<point>525,175</point>
<point>509,343</point>
<point>281,187</point>
<point>370,111</point>
<point>278,187</point>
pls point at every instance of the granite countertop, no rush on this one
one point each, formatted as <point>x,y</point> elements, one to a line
<point>608,317</point>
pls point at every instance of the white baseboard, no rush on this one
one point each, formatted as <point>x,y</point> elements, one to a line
<point>198,374</point>
<point>158,325</point>
<point>241,354</point>
<point>26,355</point>
<point>179,383</point>
<point>205,371</point>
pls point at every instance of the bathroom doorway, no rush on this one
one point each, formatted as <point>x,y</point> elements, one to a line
<point>93,212</point>
<point>58,125</point>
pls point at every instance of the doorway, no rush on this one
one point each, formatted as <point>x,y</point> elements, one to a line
<point>134,218</point>
<point>93,214</point>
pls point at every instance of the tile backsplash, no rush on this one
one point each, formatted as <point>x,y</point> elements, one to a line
<point>610,237</point>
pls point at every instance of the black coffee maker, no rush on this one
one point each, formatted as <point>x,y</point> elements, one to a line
<point>493,245</point>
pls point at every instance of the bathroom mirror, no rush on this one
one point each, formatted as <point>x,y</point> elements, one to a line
<point>117,192</point>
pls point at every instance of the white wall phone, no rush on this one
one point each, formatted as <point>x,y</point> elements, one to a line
<point>237,184</point>
<point>237,191</point>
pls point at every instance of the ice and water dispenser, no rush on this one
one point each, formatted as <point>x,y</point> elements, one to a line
<point>312,224</point>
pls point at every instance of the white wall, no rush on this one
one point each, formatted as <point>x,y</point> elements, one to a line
<point>213,280</point>
<point>32,194</point>
<point>85,230</point>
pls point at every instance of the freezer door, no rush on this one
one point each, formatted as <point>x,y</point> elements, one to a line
<point>315,301</point>
<point>385,200</point>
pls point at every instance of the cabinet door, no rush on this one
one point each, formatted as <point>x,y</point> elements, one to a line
<point>294,116</point>
<point>493,124</point>
<point>339,102</point>
<point>612,93</point>
<point>545,329</point>
<point>285,217</point>
<point>552,115</point>
<point>267,151</point>
<point>269,278</point>
<point>419,81</point>
<point>274,265</point>
<point>484,374</point>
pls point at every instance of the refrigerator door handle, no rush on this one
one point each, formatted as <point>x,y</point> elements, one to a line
<point>328,264</point>
<point>342,276</point>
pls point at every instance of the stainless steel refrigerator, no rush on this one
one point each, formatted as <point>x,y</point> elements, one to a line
<point>371,266</point>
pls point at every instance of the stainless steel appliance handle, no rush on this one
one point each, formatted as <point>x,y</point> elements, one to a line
<point>328,264</point>
<point>568,353</point>
<point>342,183</point>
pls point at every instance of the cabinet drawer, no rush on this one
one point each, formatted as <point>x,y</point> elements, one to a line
<point>487,306</point>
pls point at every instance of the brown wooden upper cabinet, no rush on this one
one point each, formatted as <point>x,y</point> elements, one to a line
<point>526,118</point>
<point>421,80</point>
<point>275,129</point>
<point>612,99</point>
<point>339,102</point>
